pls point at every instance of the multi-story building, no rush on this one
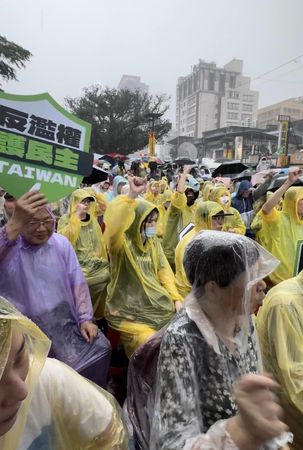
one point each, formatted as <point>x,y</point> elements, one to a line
<point>132,83</point>
<point>292,107</point>
<point>211,97</point>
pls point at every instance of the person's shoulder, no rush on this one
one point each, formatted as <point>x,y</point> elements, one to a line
<point>60,239</point>
<point>62,243</point>
<point>182,325</point>
<point>283,294</point>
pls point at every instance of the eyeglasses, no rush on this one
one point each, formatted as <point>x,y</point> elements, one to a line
<point>35,224</point>
<point>219,219</point>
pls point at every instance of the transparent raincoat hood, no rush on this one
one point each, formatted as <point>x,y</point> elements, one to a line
<point>202,221</point>
<point>222,257</point>
<point>38,345</point>
<point>74,416</point>
<point>196,369</point>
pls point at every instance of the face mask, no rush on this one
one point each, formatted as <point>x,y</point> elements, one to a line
<point>150,232</point>
<point>224,199</point>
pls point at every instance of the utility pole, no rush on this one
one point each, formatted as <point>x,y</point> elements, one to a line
<point>152,118</point>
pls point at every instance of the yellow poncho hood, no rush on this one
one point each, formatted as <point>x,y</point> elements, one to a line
<point>292,196</point>
<point>216,194</point>
<point>204,213</point>
<point>142,211</point>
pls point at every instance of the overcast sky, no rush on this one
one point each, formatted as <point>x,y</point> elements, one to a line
<point>78,43</point>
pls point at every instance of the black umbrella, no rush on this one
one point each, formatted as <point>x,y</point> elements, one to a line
<point>245,175</point>
<point>184,162</point>
<point>96,176</point>
<point>229,168</point>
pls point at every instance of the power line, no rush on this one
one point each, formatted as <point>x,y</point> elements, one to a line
<point>272,70</point>
<point>278,67</point>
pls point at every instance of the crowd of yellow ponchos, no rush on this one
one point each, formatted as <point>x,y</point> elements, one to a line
<point>142,288</point>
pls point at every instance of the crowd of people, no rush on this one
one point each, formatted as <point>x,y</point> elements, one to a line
<point>177,267</point>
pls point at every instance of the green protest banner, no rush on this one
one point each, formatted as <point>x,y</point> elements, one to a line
<point>42,146</point>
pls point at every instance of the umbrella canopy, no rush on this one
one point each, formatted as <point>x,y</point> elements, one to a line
<point>96,176</point>
<point>184,162</point>
<point>280,179</point>
<point>115,155</point>
<point>245,175</point>
<point>229,169</point>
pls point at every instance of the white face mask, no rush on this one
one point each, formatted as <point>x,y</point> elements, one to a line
<point>224,199</point>
<point>150,232</point>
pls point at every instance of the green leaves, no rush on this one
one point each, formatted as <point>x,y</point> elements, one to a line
<point>11,55</point>
<point>118,117</point>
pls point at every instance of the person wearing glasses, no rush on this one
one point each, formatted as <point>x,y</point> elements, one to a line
<point>40,274</point>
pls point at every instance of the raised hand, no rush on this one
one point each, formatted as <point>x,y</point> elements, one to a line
<point>27,206</point>
<point>260,417</point>
<point>137,186</point>
<point>293,174</point>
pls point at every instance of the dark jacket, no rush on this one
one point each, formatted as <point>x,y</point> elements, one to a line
<point>240,203</point>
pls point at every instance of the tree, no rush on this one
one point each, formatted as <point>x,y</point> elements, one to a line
<point>11,55</point>
<point>118,118</point>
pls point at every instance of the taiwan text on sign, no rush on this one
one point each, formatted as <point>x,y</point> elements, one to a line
<point>41,145</point>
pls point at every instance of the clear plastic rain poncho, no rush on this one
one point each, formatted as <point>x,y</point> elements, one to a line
<point>45,282</point>
<point>87,239</point>
<point>221,195</point>
<point>62,409</point>
<point>142,289</point>
<point>118,180</point>
<point>280,233</point>
<point>280,332</point>
<point>202,221</point>
<point>197,367</point>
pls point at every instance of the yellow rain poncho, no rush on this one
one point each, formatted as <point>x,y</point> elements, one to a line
<point>233,222</point>
<point>256,225</point>
<point>163,212</point>
<point>163,185</point>
<point>203,221</point>
<point>101,201</point>
<point>62,410</point>
<point>281,230</point>
<point>142,290</point>
<point>153,196</point>
<point>280,329</point>
<point>87,239</point>
<point>208,186</point>
<point>179,216</point>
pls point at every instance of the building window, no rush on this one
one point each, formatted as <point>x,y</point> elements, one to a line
<point>222,83</point>
<point>234,106</point>
<point>232,116</point>
<point>246,117</point>
<point>248,98</point>
<point>232,81</point>
<point>233,94</point>
<point>247,107</point>
<point>211,81</point>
